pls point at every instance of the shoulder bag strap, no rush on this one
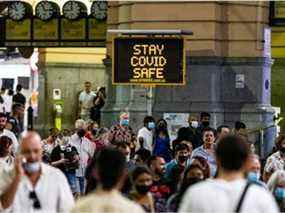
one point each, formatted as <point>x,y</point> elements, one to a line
<point>242,197</point>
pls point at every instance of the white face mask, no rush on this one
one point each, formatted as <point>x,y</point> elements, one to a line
<point>32,167</point>
<point>194,124</point>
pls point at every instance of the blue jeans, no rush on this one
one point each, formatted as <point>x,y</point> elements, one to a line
<point>71,178</point>
<point>80,183</point>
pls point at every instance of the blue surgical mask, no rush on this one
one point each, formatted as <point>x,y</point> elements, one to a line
<point>124,122</point>
<point>253,176</point>
<point>32,167</point>
<point>151,125</point>
<point>279,193</point>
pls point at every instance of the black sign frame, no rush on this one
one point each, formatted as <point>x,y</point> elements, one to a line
<point>182,64</point>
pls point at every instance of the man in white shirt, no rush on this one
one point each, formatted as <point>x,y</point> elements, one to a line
<point>86,99</point>
<point>146,133</point>
<point>111,172</point>
<point>230,192</point>
<point>85,149</point>
<point>8,133</point>
<point>32,185</point>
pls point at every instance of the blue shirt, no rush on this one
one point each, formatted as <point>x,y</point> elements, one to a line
<point>200,151</point>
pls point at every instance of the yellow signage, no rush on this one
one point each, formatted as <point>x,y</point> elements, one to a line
<point>46,30</point>
<point>73,29</point>
<point>151,61</point>
<point>279,9</point>
<point>97,29</point>
<point>18,30</point>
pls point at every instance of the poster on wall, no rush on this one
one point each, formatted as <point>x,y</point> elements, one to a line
<point>175,121</point>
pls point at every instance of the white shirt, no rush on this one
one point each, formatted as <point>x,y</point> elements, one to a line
<point>216,195</point>
<point>102,201</point>
<point>87,101</point>
<point>52,190</point>
<point>147,135</point>
<point>8,101</point>
<point>86,149</point>
<point>11,135</point>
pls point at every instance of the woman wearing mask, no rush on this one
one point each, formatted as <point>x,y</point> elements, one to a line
<point>162,142</point>
<point>193,174</point>
<point>142,181</point>
<point>276,161</point>
<point>276,184</point>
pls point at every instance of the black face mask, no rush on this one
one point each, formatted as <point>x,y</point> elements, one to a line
<point>182,158</point>
<point>193,180</point>
<point>205,123</point>
<point>143,189</point>
<point>81,133</point>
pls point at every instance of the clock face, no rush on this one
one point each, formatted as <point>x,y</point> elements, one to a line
<point>99,9</point>
<point>45,10</point>
<point>71,10</point>
<point>17,10</point>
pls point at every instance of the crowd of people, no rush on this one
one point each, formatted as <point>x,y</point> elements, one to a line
<point>97,169</point>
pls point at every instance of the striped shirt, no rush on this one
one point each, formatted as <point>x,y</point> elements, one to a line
<point>200,151</point>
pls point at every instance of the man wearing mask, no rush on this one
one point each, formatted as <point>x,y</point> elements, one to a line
<point>159,187</point>
<point>147,132</point>
<point>8,133</point>
<point>121,132</point>
<point>32,185</point>
<point>85,150</point>
<point>204,123</point>
<point>254,170</point>
<point>230,191</point>
<point>176,167</point>
<point>276,161</point>
<point>207,149</point>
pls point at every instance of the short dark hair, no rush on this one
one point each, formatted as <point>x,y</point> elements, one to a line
<point>232,152</point>
<point>239,125</point>
<point>110,165</point>
<point>181,146</point>
<point>16,106</point>
<point>209,129</point>
<point>152,159</point>
<point>123,145</point>
<point>144,154</point>
<point>138,171</point>
<point>204,114</point>
<point>5,140</point>
<point>148,119</point>
<point>3,115</point>
<point>19,87</point>
<point>220,128</point>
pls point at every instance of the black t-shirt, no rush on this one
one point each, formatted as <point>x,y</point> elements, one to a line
<point>69,152</point>
<point>19,98</point>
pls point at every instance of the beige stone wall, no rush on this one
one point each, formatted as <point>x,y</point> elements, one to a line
<point>229,29</point>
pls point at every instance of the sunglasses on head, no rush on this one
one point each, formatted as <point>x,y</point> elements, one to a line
<point>33,196</point>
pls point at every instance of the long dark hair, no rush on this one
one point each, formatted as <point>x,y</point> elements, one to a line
<point>159,129</point>
<point>185,184</point>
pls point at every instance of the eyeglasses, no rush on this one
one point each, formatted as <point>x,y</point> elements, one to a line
<point>33,196</point>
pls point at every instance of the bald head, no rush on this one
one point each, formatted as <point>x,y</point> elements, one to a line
<point>31,146</point>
